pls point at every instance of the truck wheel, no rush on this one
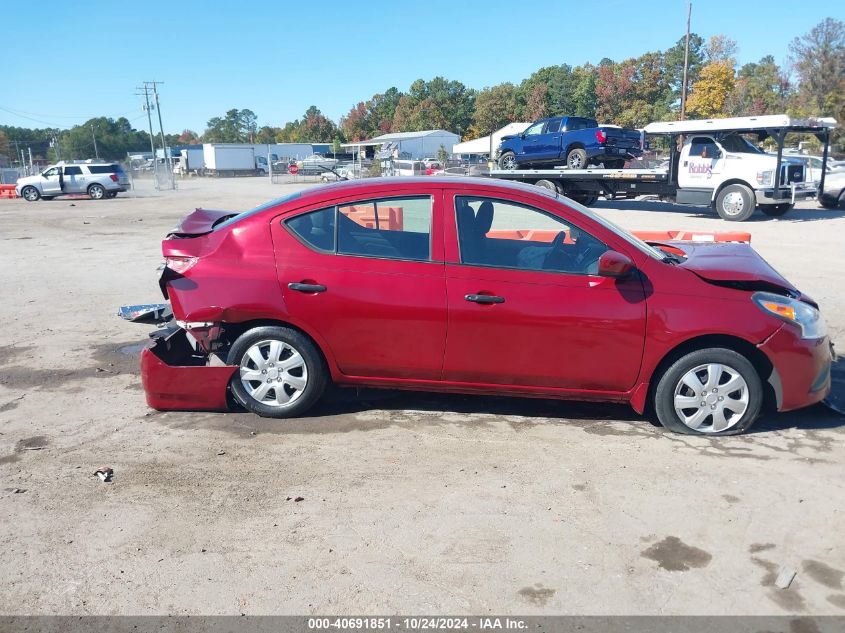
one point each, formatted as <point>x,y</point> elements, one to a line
<point>548,184</point>
<point>735,203</point>
<point>508,161</point>
<point>829,202</point>
<point>30,194</point>
<point>712,391</point>
<point>576,159</point>
<point>776,210</point>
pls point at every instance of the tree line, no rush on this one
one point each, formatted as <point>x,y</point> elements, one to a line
<point>630,93</point>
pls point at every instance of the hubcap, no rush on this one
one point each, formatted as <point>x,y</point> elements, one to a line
<point>509,162</point>
<point>29,194</point>
<point>274,373</point>
<point>733,203</point>
<point>711,398</point>
<point>96,192</point>
<point>575,161</point>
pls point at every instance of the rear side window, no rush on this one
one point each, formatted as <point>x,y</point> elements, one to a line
<point>391,228</point>
<point>316,229</point>
<point>73,171</point>
<point>553,126</point>
<point>104,169</point>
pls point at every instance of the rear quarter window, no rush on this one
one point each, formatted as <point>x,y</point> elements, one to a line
<point>104,169</point>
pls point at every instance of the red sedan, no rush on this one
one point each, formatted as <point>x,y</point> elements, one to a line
<point>475,286</point>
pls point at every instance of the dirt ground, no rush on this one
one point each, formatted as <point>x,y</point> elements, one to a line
<point>412,503</point>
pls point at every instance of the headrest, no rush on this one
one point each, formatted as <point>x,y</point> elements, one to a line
<point>484,218</point>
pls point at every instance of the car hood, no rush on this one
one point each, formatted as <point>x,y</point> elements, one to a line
<point>201,221</point>
<point>731,264</point>
<point>29,180</point>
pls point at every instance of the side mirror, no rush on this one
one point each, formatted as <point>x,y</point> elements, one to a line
<point>615,264</point>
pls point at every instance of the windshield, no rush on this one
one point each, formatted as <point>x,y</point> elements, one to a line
<point>266,205</point>
<point>625,235</point>
<point>739,145</point>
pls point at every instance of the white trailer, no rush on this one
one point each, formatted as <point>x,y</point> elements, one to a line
<point>223,159</point>
<point>190,161</point>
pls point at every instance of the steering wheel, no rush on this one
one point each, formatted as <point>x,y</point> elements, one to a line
<point>561,256</point>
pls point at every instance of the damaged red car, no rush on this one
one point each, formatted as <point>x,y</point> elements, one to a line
<point>473,286</point>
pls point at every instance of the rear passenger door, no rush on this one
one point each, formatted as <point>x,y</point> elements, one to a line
<point>74,180</point>
<point>367,277</point>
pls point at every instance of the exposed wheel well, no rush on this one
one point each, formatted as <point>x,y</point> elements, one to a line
<point>569,148</point>
<point>231,331</point>
<point>733,181</point>
<point>757,358</point>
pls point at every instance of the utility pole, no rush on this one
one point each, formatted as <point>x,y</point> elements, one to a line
<point>167,157</point>
<point>147,108</point>
<point>94,136</point>
<point>31,170</point>
<point>686,65</point>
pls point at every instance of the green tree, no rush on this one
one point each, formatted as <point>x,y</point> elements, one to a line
<point>438,103</point>
<point>760,88</point>
<point>494,107</point>
<point>819,60</point>
<point>721,48</point>
<point>673,60</point>
<point>236,126</point>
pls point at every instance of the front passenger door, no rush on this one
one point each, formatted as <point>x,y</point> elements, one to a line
<point>525,307</point>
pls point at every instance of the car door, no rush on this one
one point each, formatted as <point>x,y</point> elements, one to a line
<point>525,311</point>
<point>532,142</point>
<point>74,180</point>
<point>549,141</point>
<point>366,276</point>
<point>702,165</point>
<point>50,182</point>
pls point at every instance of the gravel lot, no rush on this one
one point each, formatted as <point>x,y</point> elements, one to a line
<point>412,503</point>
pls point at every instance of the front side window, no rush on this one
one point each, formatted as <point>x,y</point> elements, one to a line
<point>53,171</point>
<point>392,228</point>
<point>535,129</point>
<point>504,234</point>
<point>704,147</point>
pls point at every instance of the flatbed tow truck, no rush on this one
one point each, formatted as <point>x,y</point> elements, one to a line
<point>711,164</point>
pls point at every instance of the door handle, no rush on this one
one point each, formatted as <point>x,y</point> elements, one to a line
<point>306,287</point>
<point>484,298</point>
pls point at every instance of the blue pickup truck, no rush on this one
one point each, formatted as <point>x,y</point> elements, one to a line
<point>569,140</point>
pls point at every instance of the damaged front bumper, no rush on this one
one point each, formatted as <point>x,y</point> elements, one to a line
<point>177,371</point>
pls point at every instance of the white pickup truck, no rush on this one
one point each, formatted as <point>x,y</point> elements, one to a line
<point>712,163</point>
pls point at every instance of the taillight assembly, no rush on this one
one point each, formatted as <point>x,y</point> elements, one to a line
<point>114,177</point>
<point>601,137</point>
<point>180,265</point>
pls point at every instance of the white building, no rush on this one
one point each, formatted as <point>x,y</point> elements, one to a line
<point>410,145</point>
<point>481,146</point>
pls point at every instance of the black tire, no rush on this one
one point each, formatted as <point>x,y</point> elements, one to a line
<point>508,161</point>
<point>96,192</point>
<point>735,203</point>
<point>548,184</point>
<point>30,194</point>
<point>576,158</point>
<point>827,203</point>
<point>316,373</point>
<point>776,210</point>
<point>111,194</point>
<point>670,382</point>
<point>47,197</point>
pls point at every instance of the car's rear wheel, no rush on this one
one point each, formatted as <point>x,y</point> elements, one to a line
<point>576,159</point>
<point>96,192</point>
<point>714,391</point>
<point>508,161</point>
<point>776,210</point>
<point>735,203</point>
<point>30,194</point>
<point>111,194</point>
<point>281,372</point>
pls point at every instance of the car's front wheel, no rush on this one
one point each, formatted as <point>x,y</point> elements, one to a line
<point>281,373</point>
<point>713,391</point>
<point>96,192</point>
<point>30,194</point>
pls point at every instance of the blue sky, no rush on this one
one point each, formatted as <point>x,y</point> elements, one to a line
<point>84,59</point>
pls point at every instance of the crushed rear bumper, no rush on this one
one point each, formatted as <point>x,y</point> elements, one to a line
<point>175,377</point>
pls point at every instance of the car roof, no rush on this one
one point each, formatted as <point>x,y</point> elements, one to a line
<point>413,184</point>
